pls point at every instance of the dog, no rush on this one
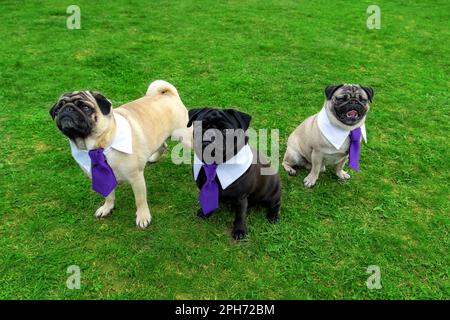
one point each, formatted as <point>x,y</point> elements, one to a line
<point>330,136</point>
<point>114,145</point>
<point>231,172</point>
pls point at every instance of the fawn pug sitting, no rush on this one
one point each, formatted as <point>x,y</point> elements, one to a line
<point>227,169</point>
<point>331,136</point>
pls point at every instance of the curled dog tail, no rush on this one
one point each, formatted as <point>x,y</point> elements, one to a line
<point>161,87</point>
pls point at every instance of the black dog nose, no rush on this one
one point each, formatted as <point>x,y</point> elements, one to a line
<point>66,122</point>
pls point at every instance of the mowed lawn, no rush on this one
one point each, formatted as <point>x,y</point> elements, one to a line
<point>273,60</point>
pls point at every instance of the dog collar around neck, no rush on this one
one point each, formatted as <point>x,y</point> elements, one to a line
<point>122,142</point>
<point>231,170</point>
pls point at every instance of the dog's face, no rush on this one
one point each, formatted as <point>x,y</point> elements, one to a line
<point>80,114</point>
<point>349,103</point>
<point>222,133</point>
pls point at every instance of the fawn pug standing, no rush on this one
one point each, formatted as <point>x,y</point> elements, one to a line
<point>113,145</point>
<point>331,136</point>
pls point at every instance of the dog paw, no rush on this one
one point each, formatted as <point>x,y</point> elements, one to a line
<point>103,211</point>
<point>291,171</point>
<point>343,175</point>
<point>309,181</point>
<point>239,234</point>
<point>143,219</point>
<point>273,218</point>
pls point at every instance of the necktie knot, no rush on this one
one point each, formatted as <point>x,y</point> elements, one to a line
<point>355,134</point>
<point>96,155</point>
<point>210,171</point>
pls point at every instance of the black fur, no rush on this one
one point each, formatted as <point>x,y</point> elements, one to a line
<point>369,92</point>
<point>237,119</point>
<point>103,103</point>
<point>331,89</point>
<point>221,119</point>
<point>252,188</point>
<point>52,110</point>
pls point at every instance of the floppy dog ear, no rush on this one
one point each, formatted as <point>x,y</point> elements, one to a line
<point>52,110</point>
<point>331,89</point>
<point>103,103</point>
<point>242,118</point>
<point>369,92</point>
<point>195,114</point>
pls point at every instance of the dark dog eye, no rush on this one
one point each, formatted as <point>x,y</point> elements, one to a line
<point>86,109</point>
<point>362,99</point>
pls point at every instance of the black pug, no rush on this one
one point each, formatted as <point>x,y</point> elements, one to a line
<point>250,188</point>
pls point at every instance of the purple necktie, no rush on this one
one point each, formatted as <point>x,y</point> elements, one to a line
<point>355,148</point>
<point>209,194</point>
<point>103,178</point>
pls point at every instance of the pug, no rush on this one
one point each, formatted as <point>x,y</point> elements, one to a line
<point>331,136</point>
<point>114,145</point>
<point>228,170</point>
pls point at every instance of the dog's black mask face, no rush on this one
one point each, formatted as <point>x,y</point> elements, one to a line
<point>76,113</point>
<point>350,102</point>
<point>222,133</point>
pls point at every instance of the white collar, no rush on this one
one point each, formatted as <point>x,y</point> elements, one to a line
<point>334,134</point>
<point>122,142</point>
<point>229,171</point>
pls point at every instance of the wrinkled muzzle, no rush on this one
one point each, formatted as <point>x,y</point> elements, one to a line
<point>350,112</point>
<point>73,123</point>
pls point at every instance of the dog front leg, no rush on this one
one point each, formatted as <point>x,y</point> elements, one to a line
<point>316,165</point>
<point>340,170</point>
<point>239,224</point>
<point>143,217</point>
<point>107,207</point>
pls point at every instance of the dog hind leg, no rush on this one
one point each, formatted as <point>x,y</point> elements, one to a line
<point>184,135</point>
<point>273,213</point>
<point>291,159</point>
<point>155,156</point>
<point>143,217</point>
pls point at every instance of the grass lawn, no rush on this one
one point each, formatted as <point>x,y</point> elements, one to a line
<point>273,60</point>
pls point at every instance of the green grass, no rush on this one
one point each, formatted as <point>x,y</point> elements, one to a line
<point>273,60</point>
